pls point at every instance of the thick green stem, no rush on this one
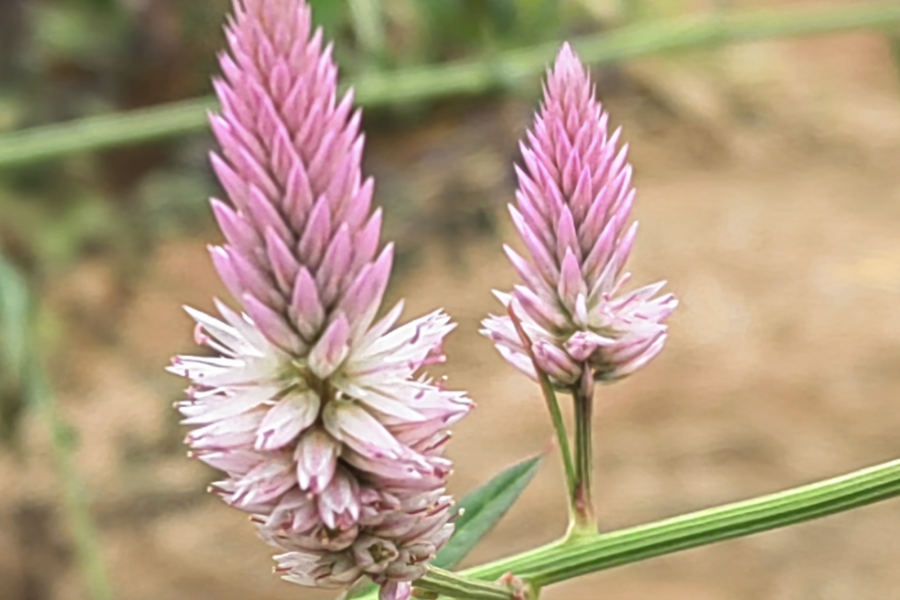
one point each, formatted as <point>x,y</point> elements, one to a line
<point>460,78</point>
<point>453,585</point>
<point>559,426</point>
<point>583,499</point>
<point>569,559</point>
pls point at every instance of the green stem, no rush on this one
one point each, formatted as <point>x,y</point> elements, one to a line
<point>460,78</point>
<point>75,498</point>
<point>569,559</point>
<point>104,131</point>
<point>559,426</point>
<point>583,499</point>
<point>18,316</point>
<point>453,585</point>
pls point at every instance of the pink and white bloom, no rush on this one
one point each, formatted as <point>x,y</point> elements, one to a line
<point>572,211</point>
<point>316,413</point>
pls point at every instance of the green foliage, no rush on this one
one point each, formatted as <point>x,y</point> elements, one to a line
<point>330,15</point>
<point>15,347</point>
<point>455,26</point>
<point>477,514</point>
<point>483,508</point>
<point>68,31</point>
<point>894,45</point>
<point>385,34</point>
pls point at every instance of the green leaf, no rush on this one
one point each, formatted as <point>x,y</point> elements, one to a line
<point>13,319</point>
<point>893,40</point>
<point>329,15</point>
<point>483,508</point>
<point>15,323</point>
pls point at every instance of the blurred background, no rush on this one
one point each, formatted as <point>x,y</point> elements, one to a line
<point>768,195</point>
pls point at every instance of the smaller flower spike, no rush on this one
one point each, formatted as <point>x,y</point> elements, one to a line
<point>572,211</point>
<point>315,412</point>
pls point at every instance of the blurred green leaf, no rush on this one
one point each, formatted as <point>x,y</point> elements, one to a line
<point>448,27</point>
<point>368,22</point>
<point>17,355</point>
<point>894,46</point>
<point>329,15</point>
<point>15,328</point>
<point>539,20</point>
<point>105,5</point>
<point>173,201</point>
<point>503,15</point>
<point>71,31</point>
<point>481,509</point>
<point>75,498</point>
<point>13,318</point>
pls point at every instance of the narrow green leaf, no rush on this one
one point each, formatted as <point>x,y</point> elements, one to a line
<point>15,326</point>
<point>893,40</point>
<point>19,361</point>
<point>13,320</point>
<point>483,508</point>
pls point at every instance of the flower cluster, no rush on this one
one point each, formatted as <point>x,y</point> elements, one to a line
<point>572,210</point>
<point>314,410</point>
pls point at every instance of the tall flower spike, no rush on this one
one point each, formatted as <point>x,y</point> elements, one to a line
<point>572,211</point>
<point>325,433</point>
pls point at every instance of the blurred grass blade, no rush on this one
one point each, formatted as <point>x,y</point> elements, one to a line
<point>483,508</point>
<point>894,45</point>
<point>14,342</point>
<point>104,131</point>
<point>88,553</point>
<point>13,322</point>
<point>368,23</point>
<point>461,78</point>
<point>18,356</point>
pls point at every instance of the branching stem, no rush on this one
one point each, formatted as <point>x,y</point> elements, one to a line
<point>567,559</point>
<point>559,426</point>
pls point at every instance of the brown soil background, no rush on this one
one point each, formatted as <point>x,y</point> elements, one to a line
<point>769,198</point>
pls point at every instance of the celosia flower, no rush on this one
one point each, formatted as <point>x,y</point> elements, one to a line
<point>324,431</point>
<point>572,211</point>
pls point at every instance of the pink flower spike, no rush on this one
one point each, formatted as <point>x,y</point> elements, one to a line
<point>572,212</point>
<point>323,424</point>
